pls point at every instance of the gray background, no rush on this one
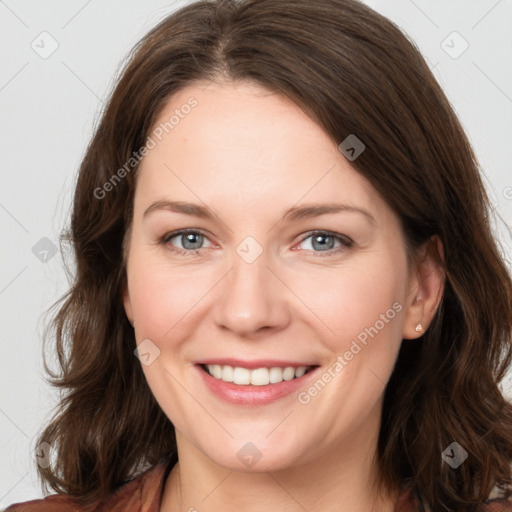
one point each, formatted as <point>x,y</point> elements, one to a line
<point>49,105</point>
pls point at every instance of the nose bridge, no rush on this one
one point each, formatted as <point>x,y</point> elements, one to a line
<point>250,298</point>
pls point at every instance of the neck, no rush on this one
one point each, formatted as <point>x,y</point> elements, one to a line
<point>342,480</point>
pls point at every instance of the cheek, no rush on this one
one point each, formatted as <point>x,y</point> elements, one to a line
<point>165,297</point>
<point>356,302</point>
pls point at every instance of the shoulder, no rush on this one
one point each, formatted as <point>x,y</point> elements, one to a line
<point>53,503</point>
<point>407,502</point>
<point>498,505</point>
<point>144,490</point>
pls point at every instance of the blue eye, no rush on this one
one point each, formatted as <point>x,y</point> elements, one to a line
<point>324,241</point>
<point>191,241</point>
<point>321,242</point>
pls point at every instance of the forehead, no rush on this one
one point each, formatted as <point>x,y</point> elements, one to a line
<point>250,146</point>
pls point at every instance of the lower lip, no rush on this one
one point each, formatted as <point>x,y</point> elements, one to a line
<point>252,395</point>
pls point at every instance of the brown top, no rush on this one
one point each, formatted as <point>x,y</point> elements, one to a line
<point>144,494</point>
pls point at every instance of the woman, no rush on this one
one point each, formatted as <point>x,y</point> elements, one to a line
<point>287,293</point>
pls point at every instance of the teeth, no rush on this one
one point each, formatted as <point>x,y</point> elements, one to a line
<point>257,377</point>
<point>217,371</point>
<point>288,373</point>
<point>276,375</point>
<point>241,375</point>
<point>227,374</point>
<point>299,372</point>
<point>260,377</point>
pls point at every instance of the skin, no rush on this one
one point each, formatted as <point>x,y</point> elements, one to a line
<point>249,155</point>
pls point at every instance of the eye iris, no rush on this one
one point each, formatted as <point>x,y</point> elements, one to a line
<point>189,238</point>
<point>323,246</point>
<point>193,241</point>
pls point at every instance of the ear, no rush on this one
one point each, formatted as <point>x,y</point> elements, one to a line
<point>127,304</point>
<point>126,293</point>
<point>426,287</point>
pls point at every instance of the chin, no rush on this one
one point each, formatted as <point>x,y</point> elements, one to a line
<point>254,456</point>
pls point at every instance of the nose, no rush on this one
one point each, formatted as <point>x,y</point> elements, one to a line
<point>252,300</point>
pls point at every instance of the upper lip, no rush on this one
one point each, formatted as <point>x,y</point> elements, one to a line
<point>255,363</point>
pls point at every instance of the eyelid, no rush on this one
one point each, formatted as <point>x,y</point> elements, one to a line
<point>173,234</point>
<point>334,234</point>
<point>345,241</point>
<point>185,231</point>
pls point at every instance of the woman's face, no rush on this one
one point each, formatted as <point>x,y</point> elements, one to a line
<point>268,279</point>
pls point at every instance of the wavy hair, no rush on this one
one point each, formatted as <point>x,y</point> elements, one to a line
<point>353,72</point>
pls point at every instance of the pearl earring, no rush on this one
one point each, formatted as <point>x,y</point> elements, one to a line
<point>419,328</point>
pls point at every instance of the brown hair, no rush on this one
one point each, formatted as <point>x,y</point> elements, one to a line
<point>354,72</point>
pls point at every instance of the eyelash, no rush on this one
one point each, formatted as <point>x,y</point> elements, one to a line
<point>346,242</point>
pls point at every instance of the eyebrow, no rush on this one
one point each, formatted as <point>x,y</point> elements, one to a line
<point>294,213</point>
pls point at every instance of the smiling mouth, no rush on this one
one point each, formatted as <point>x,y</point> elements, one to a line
<point>255,377</point>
